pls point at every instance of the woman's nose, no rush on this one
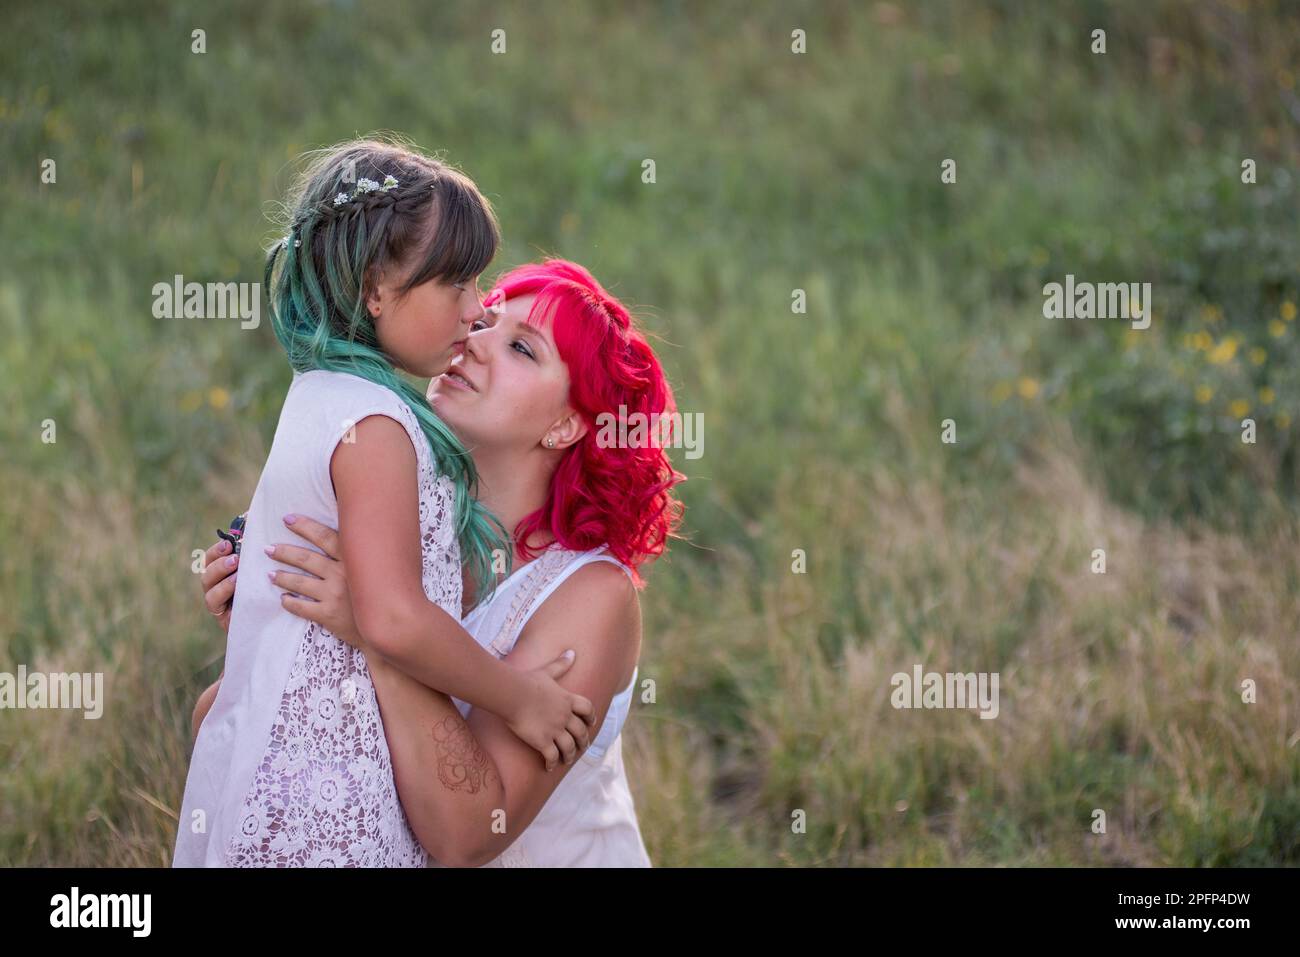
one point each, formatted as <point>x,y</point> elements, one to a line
<point>476,344</point>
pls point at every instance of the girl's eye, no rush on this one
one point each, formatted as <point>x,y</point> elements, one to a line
<point>477,324</point>
<point>523,347</point>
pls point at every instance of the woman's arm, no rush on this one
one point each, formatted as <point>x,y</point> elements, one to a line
<point>470,788</point>
<point>380,543</point>
<point>218,585</point>
<point>205,704</point>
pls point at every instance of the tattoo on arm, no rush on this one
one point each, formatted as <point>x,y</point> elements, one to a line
<point>463,765</point>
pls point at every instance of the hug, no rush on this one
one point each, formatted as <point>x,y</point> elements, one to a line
<point>433,622</point>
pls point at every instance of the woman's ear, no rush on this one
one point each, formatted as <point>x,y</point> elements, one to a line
<point>565,432</point>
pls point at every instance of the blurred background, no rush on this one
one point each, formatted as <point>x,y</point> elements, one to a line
<point>775,171</point>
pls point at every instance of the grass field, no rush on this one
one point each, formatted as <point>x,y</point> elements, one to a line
<point>775,171</point>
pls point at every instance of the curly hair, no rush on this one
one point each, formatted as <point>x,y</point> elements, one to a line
<point>614,494</point>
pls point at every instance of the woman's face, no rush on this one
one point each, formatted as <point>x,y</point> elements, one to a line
<point>508,390</point>
<point>422,329</point>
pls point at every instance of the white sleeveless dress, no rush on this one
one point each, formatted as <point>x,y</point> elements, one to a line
<point>291,767</point>
<point>589,820</point>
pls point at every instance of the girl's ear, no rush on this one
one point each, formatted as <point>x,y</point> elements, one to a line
<point>374,294</point>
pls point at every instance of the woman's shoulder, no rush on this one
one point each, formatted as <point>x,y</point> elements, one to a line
<point>596,598</point>
<point>597,581</point>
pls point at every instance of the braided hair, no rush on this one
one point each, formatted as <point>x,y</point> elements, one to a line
<point>433,224</point>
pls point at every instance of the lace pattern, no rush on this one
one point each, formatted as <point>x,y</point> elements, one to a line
<point>323,794</point>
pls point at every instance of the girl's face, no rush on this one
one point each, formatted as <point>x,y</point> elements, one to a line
<point>421,330</point>
<point>508,390</point>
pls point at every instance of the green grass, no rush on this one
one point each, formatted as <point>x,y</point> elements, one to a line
<point>775,171</point>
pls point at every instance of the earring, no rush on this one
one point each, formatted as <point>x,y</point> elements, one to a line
<point>550,443</point>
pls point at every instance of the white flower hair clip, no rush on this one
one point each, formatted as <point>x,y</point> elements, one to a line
<point>366,186</point>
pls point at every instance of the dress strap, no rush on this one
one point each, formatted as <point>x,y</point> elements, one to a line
<point>540,573</point>
<point>543,575</point>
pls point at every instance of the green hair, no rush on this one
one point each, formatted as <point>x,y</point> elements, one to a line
<point>434,223</point>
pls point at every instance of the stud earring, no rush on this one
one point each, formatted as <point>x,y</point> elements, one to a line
<point>550,443</point>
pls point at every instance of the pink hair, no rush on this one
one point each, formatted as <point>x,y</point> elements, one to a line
<point>620,497</point>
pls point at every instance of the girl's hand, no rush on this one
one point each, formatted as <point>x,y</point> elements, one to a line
<point>324,588</point>
<point>220,569</point>
<point>550,719</point>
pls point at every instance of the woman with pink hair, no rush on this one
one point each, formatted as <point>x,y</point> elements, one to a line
<point>553,356</point>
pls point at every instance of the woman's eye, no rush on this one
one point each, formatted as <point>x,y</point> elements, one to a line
<point>477,324</point>
<point>522,347</point>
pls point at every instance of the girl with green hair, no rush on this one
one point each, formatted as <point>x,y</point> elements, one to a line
<point>377,276</point>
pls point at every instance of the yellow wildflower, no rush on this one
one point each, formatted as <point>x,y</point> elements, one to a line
<point>1288,311</point>
<point>1257,356</point>
<point>1027,387</point>
<point>218,397</point>
<point>1276,328</point>
<point>1238,407</point>
<point>1267,395</point>
<point>1224,351</point>
<point>1204,394</point>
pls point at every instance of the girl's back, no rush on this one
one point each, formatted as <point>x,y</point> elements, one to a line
<point>291,767</point>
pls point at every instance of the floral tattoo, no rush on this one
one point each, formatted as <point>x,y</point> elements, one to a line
<point>463,765</point>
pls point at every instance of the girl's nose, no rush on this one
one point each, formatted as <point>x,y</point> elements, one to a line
<point>475,309</point>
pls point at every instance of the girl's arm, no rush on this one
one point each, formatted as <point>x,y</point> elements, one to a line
<point>380,543</point>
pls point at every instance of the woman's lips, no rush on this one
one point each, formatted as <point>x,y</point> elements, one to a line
<point>458,381</point>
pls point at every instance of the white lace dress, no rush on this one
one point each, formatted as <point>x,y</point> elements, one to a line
<point>291,767</point>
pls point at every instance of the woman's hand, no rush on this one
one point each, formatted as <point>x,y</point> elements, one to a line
<point>324,588</point>
<point>220,569</point>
